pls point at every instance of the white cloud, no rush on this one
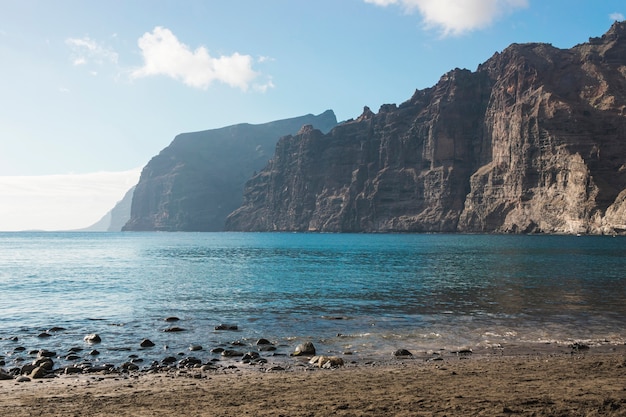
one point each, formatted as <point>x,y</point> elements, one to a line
<point>86,50</point>
<point>61,202</point>
<point>164,54</point>
<point>616,16</point>
<point>455,17</point>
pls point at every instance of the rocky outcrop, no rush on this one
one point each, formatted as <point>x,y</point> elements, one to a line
<point>194,183</point>
<point>534,140</point>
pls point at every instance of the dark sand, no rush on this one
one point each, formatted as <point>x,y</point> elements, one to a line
<point>538,382</point>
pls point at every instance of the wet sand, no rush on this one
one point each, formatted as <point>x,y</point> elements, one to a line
<point>549,381</point>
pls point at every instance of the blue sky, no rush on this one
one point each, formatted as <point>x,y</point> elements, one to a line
<point>102,86</point>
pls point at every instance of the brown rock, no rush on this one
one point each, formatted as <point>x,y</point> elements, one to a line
<point>531,142</point>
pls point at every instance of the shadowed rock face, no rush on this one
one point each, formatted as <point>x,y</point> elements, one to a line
<point>533,141</point>
<point>194,183</point>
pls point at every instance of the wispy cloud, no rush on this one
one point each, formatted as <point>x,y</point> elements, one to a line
<point>60,202</point>
<point>456,17</point>
<point>616,16</point>
<point>86,50</point>
<point>164,54</point>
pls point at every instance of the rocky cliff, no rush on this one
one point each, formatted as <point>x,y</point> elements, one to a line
<point>116,218</point>
<point>534,140</point>
<point>194,183</point>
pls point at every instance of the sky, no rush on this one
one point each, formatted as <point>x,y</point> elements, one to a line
<point>90,90</point>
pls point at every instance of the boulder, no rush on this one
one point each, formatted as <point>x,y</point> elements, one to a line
<point>304,349</point>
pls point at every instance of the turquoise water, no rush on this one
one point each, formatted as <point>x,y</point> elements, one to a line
<point>368,294</point>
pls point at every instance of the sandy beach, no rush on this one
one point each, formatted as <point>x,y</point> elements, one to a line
<point>551,381</point>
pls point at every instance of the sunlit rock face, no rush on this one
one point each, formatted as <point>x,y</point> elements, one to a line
<point>194,183</point>
<point>533,141</point>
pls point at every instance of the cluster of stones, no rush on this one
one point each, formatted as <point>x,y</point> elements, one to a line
<point>43,365</point>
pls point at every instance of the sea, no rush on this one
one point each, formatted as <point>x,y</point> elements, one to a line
<point>360,294</point>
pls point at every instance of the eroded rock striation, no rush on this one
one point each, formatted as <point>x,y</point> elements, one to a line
<point>533,141</point>
<point>194,183</point>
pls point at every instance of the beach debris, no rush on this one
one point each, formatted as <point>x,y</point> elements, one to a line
<point>402,353</point>
<point>92,338</point>
<point>304,349</point>
<point>225,326</point>
<point>146,343</point>
<point>327,361</point>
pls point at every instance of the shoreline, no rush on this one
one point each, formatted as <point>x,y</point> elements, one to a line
<point>544,380</point>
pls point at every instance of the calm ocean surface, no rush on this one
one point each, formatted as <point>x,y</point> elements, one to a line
<point>369,294</point>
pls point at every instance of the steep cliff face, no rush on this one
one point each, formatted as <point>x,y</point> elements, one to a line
<point>194,183</point>
<point>533,141</point>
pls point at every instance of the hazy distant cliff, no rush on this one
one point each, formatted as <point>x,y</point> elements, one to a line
<point>533,141</point>
<point>194,183</point>
<point>116,218</point>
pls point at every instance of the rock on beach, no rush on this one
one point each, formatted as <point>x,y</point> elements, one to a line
<point>306,348</point>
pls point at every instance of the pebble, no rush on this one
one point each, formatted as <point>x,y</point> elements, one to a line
<point>172,319</point>
<point>401,353</point>
<point>194,348</point>
<point>92,338</point>
<point>146,343</point>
